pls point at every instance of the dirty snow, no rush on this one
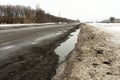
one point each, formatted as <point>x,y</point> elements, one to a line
<point>96,55</point>
<point>19,25</point>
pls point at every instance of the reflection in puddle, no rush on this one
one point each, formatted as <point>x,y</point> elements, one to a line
<point>36,41</point>
<point>66,47</point>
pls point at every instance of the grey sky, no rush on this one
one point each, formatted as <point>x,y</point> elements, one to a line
<point>85,10</point>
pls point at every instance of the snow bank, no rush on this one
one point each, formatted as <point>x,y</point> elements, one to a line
<point>96,56</point>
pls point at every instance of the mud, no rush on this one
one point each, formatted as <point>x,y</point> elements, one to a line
<point>38,62</point>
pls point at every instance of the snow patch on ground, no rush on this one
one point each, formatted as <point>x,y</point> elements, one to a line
<point>19,25</point>
<point>111,28</point>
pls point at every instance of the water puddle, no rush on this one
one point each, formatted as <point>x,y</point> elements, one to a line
<point>36,41</point>
<point>66,47</point>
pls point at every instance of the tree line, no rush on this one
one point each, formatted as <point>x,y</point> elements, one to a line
<point>21,14</point>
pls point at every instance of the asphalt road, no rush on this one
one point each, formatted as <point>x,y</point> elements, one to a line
<point>13,39</point>
<point>27,53</point>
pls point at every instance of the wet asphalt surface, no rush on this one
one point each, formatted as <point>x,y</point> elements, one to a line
<point>28,53</point>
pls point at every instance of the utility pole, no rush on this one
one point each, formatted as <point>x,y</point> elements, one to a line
<point>37,6</point>
<point>59,18</point>
<point>37,17</point>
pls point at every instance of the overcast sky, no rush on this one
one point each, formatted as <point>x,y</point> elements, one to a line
<point>85,10</point>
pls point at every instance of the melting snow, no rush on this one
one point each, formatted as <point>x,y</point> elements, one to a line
<point>111,28</point>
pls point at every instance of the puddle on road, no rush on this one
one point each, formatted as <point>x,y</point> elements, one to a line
<point>66,47</point>
<point>36,41</point>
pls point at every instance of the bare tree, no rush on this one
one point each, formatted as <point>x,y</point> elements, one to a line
<point>21,14</point>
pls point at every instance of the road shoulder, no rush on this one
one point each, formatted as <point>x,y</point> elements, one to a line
<point>96,57</point>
